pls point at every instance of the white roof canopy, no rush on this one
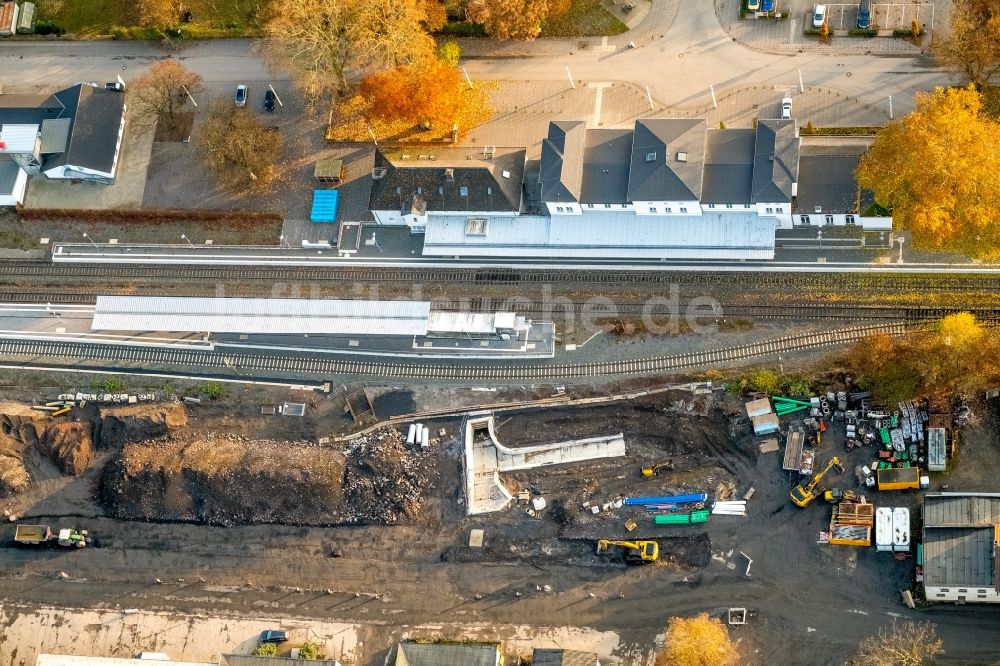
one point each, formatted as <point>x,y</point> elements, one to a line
<point>275,316</point>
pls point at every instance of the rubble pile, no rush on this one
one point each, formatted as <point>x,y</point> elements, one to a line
<point>385,481</point>
<point>135,423</point>
<point>224,479</point>
<point>69,445</point>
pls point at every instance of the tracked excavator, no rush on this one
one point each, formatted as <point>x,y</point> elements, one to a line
<point>636,552</point>
<point>802,496</point>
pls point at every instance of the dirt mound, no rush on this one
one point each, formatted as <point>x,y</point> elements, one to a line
<point>70,446</point>
<point>385,482</point>
<point>224,480</point>
<point>135,423</point>
<point>14,477</point>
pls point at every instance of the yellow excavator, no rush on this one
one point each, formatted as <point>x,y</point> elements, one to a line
<point>636,552</point>
<point>653,470</point>
<point>802,496</point>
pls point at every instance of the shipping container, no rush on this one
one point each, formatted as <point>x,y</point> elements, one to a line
<point>883,529</point>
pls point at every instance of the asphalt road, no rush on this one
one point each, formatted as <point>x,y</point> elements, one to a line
<point>692,53</point>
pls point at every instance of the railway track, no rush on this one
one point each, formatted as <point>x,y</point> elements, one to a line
<point>261,365</point>
<point>636,309</point>
<point>28,271</point>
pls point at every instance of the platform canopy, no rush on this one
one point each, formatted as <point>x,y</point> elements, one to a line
<point>275,316</point>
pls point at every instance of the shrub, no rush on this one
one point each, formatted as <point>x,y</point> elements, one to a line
<point>450,52</point>
<point>762,381</point>
<point>108,385</point>
<point>463,29</point>
<point>858,32</point>
<point>266,650</point>
<point>46,27</point>
<point>809,128</point>
<point>310,651</point>
<point>811,32</point>
<point>214,390</point>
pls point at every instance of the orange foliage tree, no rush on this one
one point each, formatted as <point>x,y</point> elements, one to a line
<point>697,641</point>
<point>430,93</point>
<point>509,19</point>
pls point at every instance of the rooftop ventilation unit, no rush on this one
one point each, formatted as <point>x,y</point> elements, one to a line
<point>378,173</point>
<point>489,152</point>
<point>682,157</point>
<point>463,191</point>
<point>651,157</point>
<point>506,174</point>
<point>818,209</point>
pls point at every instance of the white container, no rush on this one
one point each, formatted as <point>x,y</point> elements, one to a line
<point>538,503</point>
<point>901,529</point>
<point>425,438</point>
<point>411,434</point>
<point>883,529</point>
<point>925,482</point>
<point>418,437</point>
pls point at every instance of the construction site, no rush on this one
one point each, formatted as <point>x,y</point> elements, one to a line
<point>397,508</point>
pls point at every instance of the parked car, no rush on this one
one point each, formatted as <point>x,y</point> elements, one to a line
<point>241,95</point>
<point>273,636</point>
<point>767,6</point>
<point>753,5</point>
<point>819,16</point>
<point>865,14</point>
<point>269,98</point>
<point>786,108</point>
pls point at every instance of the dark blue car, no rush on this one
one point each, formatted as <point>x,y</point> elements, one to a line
<point>767,6</point>
<point>273,636</point>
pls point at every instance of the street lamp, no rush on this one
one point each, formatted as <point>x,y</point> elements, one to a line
<point>184,237</point>
<point>282,242</point>
<point>900,240</point>
<point>819,237</point>
<point>87,236</point>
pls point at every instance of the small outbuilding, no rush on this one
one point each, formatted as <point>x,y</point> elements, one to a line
<point>330,170</point>
<point>26,22</point>
<point>448,654</point>
<point>8,18</point>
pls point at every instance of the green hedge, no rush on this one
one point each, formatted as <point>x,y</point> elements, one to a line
<point>839,131</point>
<point>44,27</point>
<point>858,32</point>
<point>903,32</point>
<point>812,32</point>
<point>463,29</point>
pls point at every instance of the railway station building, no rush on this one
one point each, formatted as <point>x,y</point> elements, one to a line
<point>669,188</point>
<point>73,134</point>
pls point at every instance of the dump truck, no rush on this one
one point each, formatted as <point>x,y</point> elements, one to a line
<point>898,478</point>
<point>36,535</point>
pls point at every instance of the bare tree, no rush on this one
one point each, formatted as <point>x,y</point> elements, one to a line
<point>159,94</point>
<point>237,148</point>
<point>901,644</point>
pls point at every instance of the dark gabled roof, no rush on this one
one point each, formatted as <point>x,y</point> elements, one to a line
<point>826,180</point>
<point>776,161</point>
<point>8,174</point>
<point>97,116</point>
<point>728,166</point>
<point>456,179</point>
<point>31,109</point>
<point>606,166</point>
<point>558,657</point>
<point>668,156</point>
<point>560,173</point>
<point>444,654</point>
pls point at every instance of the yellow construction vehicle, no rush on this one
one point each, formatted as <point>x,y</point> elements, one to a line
<point>653,470</point>
<point>803,496</point>
<point>836,496</point>
<point>636,552</point>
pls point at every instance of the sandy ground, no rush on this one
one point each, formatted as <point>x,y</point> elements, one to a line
<point>31,631</point>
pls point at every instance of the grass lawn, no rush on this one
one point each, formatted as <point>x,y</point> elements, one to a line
<point>585,18</point>
<point>98,17</point>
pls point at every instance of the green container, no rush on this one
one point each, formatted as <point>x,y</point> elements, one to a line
<point>682,518</point>
<point>884,434</point>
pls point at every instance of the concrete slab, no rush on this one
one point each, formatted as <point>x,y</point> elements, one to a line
<point>485,458</point>
<point>476,538</point>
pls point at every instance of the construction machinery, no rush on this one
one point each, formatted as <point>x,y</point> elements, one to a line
<point>653,470</point>
<point>636,552</point>
<point>836,496</point>
<point>802,496</point>
<point>36,535</point>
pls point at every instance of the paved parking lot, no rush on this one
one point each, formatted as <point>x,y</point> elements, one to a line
<point>786,34</point>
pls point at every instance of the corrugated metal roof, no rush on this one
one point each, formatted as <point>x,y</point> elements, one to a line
<point>435,654</point>
<point>959,557</point>
<point>482,323</point>
<point>966,510</point>
<point>18,138</point>
<point>260,315</point>
<point>607,235</point>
